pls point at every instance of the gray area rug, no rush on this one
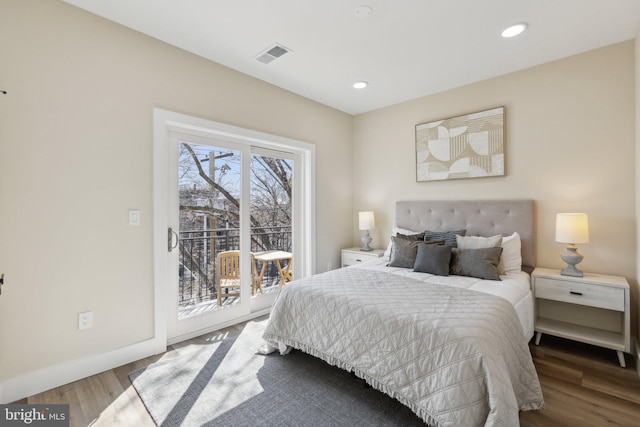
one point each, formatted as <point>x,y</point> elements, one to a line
<point>225,383</point>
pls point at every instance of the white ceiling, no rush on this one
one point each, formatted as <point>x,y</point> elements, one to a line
<point>405,49</point>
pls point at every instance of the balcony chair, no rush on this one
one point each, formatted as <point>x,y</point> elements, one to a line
<point>229,275</point>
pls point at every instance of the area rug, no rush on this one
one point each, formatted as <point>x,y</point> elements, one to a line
<point>226,383</point>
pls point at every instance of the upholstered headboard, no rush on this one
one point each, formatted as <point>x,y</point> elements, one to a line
<point>478,217</point>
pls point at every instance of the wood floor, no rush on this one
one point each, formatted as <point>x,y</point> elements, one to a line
<point>582,386</point>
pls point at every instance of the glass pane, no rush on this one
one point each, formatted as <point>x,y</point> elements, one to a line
<point>271,221</point>
<point>209,194</point>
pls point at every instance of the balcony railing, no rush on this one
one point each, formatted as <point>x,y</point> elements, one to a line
<point>198,252</point>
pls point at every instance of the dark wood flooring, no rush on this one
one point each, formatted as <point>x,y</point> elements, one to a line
<point>582,386</point>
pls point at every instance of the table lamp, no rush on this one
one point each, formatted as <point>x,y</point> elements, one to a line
<point>366,222</point>
<point>572,228</point>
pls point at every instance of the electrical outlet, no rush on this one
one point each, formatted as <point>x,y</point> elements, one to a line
<point>85,320</point>
<point>329,265</point>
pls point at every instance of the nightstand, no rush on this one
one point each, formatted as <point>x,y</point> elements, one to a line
<point>352,256</point>
<point>593,309</point>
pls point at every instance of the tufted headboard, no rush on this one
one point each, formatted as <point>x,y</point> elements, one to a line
<point>478,217</point>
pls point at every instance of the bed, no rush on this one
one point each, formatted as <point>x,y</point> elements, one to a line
<point>453,348</point>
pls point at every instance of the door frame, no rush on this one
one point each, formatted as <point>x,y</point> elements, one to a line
<point>165,122</point>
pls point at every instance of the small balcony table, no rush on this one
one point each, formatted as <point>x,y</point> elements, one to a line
<point>275,256</point>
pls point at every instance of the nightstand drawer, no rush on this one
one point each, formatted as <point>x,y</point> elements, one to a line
<point>580,293</point>
<point>350,258</point>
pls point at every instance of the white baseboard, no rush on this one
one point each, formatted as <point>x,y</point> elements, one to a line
<point>55,376</point>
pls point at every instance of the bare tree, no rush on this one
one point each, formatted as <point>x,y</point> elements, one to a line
<point>271,189</point>
<point>210,202</point>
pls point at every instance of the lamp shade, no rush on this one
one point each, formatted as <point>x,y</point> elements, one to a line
<point>366,220</point>
<point>572,228</point>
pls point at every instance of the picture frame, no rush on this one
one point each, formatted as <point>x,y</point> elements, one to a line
<point>467,146</point>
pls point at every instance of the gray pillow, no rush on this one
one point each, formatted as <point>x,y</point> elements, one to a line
<point>433,259</point>
<point>480,263</point>
<point>410,237</point>
<point>449,237</point>
<point>403,252</point>
<point>419,236</point>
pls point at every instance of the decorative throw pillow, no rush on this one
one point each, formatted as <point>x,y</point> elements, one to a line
<point>411,237</point>
<point>449,237</point>
<point>394,232</point>
<point>433,259</point>
<point>480,263</point>
<point>477,242</point>
<point>511,260</point>
<point>403,252</point>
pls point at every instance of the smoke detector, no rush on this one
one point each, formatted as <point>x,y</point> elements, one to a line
<point>363,12</point>
<point>272,53</point>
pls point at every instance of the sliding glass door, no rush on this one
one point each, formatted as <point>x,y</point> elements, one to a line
<point>231,240</point>
<point>233,222</point>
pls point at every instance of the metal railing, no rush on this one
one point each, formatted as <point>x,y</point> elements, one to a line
<point>198,252</point>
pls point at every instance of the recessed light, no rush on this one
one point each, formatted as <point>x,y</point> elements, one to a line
<point>514,30</point>
<point>360,85</point>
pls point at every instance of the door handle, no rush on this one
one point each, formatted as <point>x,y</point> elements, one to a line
<point>171,246</point>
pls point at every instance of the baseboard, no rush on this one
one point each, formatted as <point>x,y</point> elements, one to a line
<point>55,376</point>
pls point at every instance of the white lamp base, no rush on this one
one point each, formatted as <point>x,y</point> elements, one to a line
<point>571,257</point>
<point>366,239</point>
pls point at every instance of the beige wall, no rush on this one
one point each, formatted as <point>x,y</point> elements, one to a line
<point>570,146</point>
<point>637,195</point>
<point>76,155</point>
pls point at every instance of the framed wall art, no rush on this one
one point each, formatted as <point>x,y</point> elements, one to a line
<point>468,146</point>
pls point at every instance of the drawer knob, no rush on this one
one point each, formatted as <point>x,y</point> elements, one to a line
<point>575,293</point>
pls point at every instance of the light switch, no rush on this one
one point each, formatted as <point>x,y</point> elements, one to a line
<point>134,217</point>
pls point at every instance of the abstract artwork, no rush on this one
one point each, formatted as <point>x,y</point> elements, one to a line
<point>469,146</point>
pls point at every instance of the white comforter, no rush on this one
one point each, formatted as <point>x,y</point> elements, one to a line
<point>514,287</point>
<point>456,357</point>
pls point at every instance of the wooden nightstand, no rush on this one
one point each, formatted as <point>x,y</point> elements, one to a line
<point>352,256</point>
<point>593,309</point>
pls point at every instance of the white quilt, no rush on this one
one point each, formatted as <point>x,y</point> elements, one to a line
<point>456,357</point>
<point>514,287</point>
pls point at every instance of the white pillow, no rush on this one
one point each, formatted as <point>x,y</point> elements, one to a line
<point>511,254</point>
<point>477,242</point>
<point>394,231</point>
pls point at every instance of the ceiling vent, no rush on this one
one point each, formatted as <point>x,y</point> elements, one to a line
<point>272,53</point>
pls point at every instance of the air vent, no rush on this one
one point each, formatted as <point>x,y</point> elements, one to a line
<point>272,53</point>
